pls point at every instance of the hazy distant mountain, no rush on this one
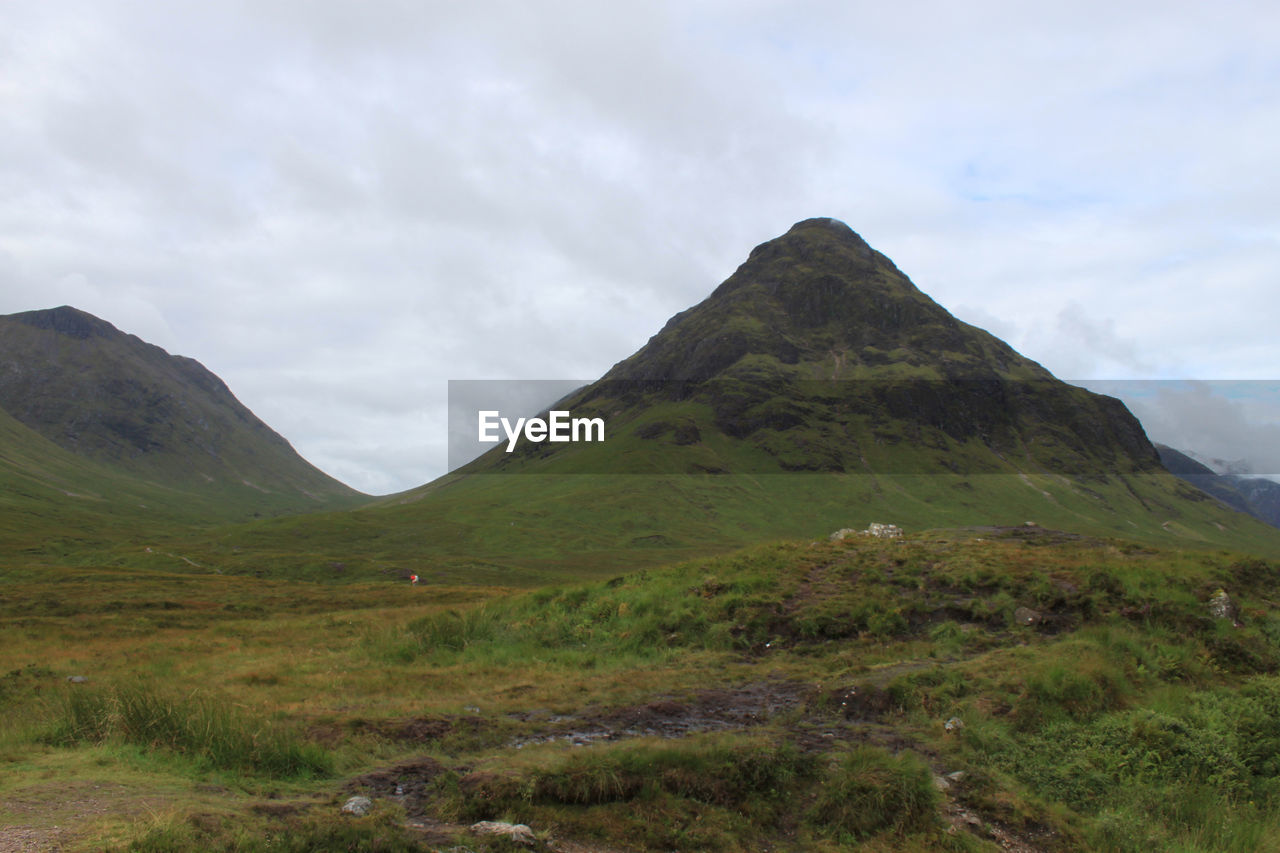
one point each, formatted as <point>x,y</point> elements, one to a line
<point>1257,496</point>
<point>130,407</point>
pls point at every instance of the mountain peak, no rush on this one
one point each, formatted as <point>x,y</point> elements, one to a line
<point>820,298</point>
<point>827,225</point>
<point>823,234</point>
<point>68,321</point>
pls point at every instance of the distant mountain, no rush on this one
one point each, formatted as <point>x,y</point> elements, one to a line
<point>1222,466</point>
<point>1257,496</point>
<point>157,420</point>
<point>815,389</point>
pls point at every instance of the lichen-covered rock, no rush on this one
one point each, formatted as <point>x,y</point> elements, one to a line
<point>517,832</point>
<point>1222,607</point>
<point>358,806</point>
<point>841,534</point>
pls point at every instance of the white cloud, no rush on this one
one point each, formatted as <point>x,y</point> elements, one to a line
<point>344,205</point>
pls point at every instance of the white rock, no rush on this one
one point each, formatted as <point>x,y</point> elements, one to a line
<point>358,806</point>
<point>883,531</point>
<point>517,832</point>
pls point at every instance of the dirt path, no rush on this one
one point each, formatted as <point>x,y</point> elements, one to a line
<point>30,839</point>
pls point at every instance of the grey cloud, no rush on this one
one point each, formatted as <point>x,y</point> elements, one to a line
<point>1229,420</point>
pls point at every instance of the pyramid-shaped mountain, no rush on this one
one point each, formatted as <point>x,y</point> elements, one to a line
<point>129,407</point>
<point>815,389</point>
<point>818,354</point>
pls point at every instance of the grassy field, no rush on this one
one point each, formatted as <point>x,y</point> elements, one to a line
<point>968,689</point>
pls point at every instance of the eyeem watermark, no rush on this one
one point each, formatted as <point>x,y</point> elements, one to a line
<point>559,426</point>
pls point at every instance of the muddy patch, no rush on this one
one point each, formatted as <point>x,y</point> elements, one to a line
<point>408,783</point>
<point>863,702</point>
<point>721,709</point>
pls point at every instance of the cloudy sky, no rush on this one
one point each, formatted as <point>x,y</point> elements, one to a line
<point>337,207</point>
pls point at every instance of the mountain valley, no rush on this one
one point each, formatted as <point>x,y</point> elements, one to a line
<point>846,573</point>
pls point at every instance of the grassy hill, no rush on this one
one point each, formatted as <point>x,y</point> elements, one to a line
<point>130,408</point>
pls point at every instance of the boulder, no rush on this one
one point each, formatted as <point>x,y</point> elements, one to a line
<point>1222,607</point>
<point>358,806</point>
<point>517,832</point>
<point>1025,616</point>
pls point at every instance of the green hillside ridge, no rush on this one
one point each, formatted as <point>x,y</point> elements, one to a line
<point>816,388</point>
<point>165,421</point>
<point>54,504</point>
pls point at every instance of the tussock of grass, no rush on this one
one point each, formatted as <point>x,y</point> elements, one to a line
<point>869,790</point>
<point>715,769</point>
<point>200,727</point>
<point>724,787</point>
<point>381,831</point>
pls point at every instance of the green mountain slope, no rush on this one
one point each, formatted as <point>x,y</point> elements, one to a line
<point>55,504</point>
<point>161,422</point>
<point>815,389</point>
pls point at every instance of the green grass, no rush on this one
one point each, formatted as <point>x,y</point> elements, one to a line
<point>1085,731</point>
<point>208,730</point>
<point>870,791</point>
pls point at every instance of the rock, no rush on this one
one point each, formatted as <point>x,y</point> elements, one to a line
<point>1222,607</point>
<point>1029,524</point>
<point>954,724</point>
<point>517,832</point>
<point>941,784</point>
<point>842,534</point>
<point>1026,616</point>
<point>883,531</point>
<point>77,679</point>
<point>957,776</point>
<point>358,806</point>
